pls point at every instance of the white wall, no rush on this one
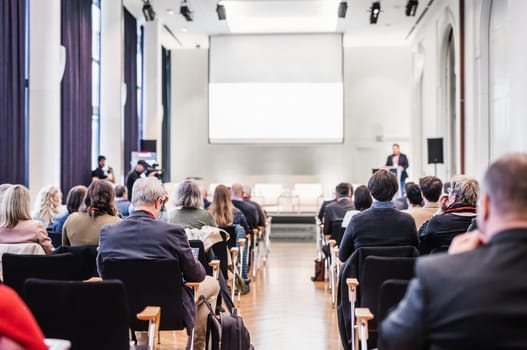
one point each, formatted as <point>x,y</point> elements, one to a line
<point>377,111</point>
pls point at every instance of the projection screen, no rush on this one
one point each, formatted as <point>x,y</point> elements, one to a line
<point>276,89</point>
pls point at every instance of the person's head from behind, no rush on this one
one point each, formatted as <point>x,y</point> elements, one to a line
<point>15,206</point>
<point>464,190</point>
<point>188,195</point>
<point>237,190</point>
<point>101,161</point>
<point>75,198</point>
<point>383,185</point>
<point>121,192</point>
<point>344,190</point>
<point>362,198</point>
<point>149,194</point>
<point>221,206</point>
<point>100,199</point>
<point>431,188</point>
<point>47,204</point>
<point>247,192</point>
<point>413,195</point>
<point>396,149</point>
<point>141,166</point>
<point>503,199</point>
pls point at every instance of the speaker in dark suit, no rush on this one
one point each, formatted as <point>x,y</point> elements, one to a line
<point>398,159</point>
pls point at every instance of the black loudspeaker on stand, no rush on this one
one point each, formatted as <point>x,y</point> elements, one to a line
<point>435,152</point>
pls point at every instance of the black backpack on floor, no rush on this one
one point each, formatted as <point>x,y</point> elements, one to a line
<point>226,331</point>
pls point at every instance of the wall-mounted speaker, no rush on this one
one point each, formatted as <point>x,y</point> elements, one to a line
<point>148,145</point>
<point>435,151</point>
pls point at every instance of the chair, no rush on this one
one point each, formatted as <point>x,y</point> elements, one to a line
<point>91,315</point>
<point>196,243</point>
<point>20,248</point>
<point>221,251</point>
<point>85,264</point>
<point>392,292</point>
<point>352,269</point>
<point>19,267</point>
<point>376,270</point>
<point>56,238</point>
<point>151,282</point>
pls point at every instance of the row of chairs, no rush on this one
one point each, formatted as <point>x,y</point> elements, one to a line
<point>371,282</point>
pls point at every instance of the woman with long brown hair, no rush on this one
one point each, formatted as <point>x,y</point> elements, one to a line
<point>223,211</point>
<point>84,228</point>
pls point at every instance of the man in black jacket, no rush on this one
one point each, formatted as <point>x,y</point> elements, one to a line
<point>400,161</point>
<point>336,211</point>
<point>476,297</point>
<point>382,224</point>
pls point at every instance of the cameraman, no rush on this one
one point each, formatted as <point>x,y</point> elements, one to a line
<point>139,171</point>
<point>100,174</point>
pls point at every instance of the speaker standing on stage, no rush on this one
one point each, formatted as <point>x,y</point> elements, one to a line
<point>399,160</point>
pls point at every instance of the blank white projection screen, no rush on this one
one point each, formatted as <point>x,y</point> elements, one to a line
<point>276,89</point>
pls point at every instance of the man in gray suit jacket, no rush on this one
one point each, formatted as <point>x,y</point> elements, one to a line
<point>476,297</point>
<point>142,236</point>
<point>336,211</point>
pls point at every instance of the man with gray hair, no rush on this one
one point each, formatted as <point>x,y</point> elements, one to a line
<point>142,236</point>
<point>476,297</point>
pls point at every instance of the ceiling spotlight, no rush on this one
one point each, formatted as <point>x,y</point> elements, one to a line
<point>184,10</point>
<point>220,10</point>
<point>375,11</point>
<point>148,11</point>
<point>411,7</point>
<point>343,7</point>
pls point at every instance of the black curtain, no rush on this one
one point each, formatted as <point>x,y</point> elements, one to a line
<point>131,117</point>
<point>76,94</point>
<point>13,126</point>
<point>166,69</point>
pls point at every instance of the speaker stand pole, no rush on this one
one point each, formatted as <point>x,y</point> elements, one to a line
<point>435,169</point>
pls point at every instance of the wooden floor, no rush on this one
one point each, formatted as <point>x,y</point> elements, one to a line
<point>284,309</point>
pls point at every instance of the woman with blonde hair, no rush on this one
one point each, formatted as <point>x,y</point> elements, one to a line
<point>47,205</point>
<point>84,227</point>
<point>16,225</point>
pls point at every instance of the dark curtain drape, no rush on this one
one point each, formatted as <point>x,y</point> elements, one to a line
<point>76,94</point>
<point>131,118</point>
<point>13,126</point>
<point>166,68</point>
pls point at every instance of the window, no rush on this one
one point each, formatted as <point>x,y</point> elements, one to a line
<point>96,80</point>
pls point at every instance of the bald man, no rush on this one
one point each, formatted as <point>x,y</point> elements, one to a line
<point>475,297</point>
<point>250,212</point>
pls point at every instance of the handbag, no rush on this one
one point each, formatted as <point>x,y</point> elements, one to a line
<point>320,269</point>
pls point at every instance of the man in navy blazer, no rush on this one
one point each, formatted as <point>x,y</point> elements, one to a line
<point>400,160</point>
<point>142,236</point>
<point>475,297</point>
<point>382,224</point>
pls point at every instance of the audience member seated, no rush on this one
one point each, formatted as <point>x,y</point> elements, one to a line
<point>336,211</point>
<point>189,211</point>
<point>84,227</point>
<point>204,195</point>
<point>141,236</point>
<point>262,217</point>
<point>251,212</point>
<point>401,203</point>
<point>74,201</point>
<point>225,214</point>
<point>436,234</point>
<point>16,225</point>
<point>322,210</point>
<point>18,328</point>
<point>362,201</point>
<point>47,205</point>
<point>121,200</point>
<point>430,192</point>
<point>473,298</point>
<point>382,224</point>
<point>413,198</point>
